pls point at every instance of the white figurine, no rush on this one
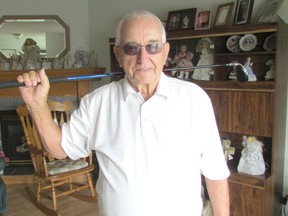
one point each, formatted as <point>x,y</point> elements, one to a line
<point>206,58</point>
<point>251,161</point>
<point>270,74</point>
<point>68,61</point>
<point>248,65</point>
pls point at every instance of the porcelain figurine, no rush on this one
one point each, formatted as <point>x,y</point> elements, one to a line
<point>183,59</point>
<point>248,65</point>
<point>270,74</point>
<point>206,58</point>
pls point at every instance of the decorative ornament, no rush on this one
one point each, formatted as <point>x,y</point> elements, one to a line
<point>248,42</point>
<point>248,65</point>
<point>251,161</point>
<point>270,42</point>
<point>228,150</point>
<point>270,74</point>
<point>232,43</point>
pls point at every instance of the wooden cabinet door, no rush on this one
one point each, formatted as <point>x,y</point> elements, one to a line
<point>246,200</point>
<point>236,203</point>
<point>244,112</point>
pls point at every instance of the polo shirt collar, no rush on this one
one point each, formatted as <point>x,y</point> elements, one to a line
<point>162,88</point>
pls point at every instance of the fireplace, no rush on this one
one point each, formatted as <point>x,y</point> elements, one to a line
<point>10,99</point>
<point>13,139</point>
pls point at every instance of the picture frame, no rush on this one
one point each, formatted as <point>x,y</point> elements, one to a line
<point>181,19</point>
<point>173,21</point>
<point>269,11</point>
<point>203,20</point>
<point>243,12</point>
<point>188,18</point>
<point>223,14</point>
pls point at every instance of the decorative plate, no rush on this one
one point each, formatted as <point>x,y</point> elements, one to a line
<point>232,43</point>
<point>270,42</point>
<point>248,42</point>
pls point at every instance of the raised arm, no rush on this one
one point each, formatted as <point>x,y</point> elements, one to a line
<point>35,94</point>
<point>219,196</point>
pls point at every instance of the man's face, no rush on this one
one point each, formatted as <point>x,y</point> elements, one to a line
<point>143,68</point>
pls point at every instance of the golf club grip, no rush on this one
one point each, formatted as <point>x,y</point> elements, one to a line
<point>12,84</point>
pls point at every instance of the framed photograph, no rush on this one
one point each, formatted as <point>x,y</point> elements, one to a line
<point>173,20</point>
<point>181,19</point>
<point>223,14</point>
<point>269,11</point>
<point>188,18</point>
<point>243,12</point>
<point>203,20</point>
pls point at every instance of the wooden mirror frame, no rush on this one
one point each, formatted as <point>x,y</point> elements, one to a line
<point>31,17</point>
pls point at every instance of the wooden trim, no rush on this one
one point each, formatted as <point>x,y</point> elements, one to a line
<point>72,88</point>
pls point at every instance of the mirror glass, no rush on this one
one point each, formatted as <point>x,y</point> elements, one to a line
<point>50,33</point>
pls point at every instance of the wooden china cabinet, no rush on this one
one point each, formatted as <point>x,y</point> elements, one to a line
<point>255,108</point>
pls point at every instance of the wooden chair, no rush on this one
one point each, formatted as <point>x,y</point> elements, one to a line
<point>56,178</point>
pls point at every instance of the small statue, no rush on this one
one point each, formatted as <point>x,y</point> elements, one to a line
<point>56,64</point>
<point>228,150</point>
<point>14,62</point>
<point>206,58</point>
<point>31,55</point>
<point>68,61</point>
<point>183,59</point>
<point>45,64</point>
<point>81,59</point>
<point>251,161</point>
<point>233,72</point>
<point>270,74</point>
<point>248,65</point>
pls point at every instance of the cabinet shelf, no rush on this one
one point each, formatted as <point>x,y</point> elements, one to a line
<point>259,86</point>
<point>256,181</point>
<point>264,53</point>
<point>223,31</point>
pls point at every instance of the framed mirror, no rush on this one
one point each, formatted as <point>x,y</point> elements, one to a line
<point>49,31</point>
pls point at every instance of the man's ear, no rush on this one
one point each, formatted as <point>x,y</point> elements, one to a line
<point>117,54</point>
<point>166,51</point>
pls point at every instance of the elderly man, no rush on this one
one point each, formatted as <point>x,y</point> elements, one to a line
<point>153,135</point>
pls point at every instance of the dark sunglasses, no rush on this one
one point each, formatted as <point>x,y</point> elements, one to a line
<point>133,49</point>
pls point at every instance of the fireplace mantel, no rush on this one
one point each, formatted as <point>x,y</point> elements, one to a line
<point>71,88</point>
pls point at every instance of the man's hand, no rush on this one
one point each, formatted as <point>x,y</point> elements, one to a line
<point>36,89</point>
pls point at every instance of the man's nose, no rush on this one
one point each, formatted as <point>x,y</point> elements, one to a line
<point>143,54</point>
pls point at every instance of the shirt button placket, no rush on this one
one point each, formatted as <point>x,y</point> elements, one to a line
<point>144,120</point>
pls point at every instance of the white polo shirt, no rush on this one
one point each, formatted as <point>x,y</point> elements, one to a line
<point>151,153</point>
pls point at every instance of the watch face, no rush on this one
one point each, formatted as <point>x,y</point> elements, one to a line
<point>270,42</point>
<point>248,42</point>
<point>232,43</point>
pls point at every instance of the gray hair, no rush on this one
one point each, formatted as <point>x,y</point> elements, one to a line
<point>137,14</point>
